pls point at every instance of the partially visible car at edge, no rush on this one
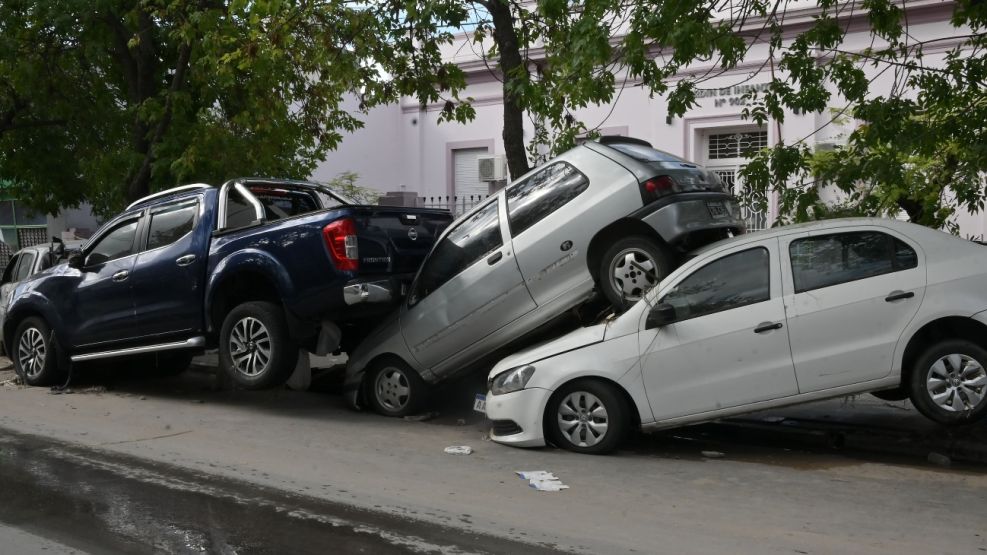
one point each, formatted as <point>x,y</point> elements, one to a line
<point>790,315</point>
<point>258,268</point>
<point>612,216</point>
<point>27,262</point>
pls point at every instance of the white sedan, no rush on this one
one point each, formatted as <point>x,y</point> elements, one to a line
<point>785,316</point>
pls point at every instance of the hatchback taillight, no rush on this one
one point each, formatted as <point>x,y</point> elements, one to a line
<point>657,187</point>
<point>340,237</point>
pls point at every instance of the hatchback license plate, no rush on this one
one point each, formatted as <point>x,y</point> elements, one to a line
<point>717,209</point>
<point>480,403</point>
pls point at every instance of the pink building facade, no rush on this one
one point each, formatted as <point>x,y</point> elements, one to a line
<point>403,147</point>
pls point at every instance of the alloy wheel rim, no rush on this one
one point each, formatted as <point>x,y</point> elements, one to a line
<point>583,419</point>
<point>956,383</point>
<point>633,272</point>
<point>31,352</point>
<point>392,389</point>
<point>250,347</point>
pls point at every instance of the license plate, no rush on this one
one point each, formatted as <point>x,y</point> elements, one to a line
<point>480,403</point>
<point>717,209</point>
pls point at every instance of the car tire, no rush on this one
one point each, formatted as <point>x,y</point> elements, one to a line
<point>948,383</point>
<point>579,411</point>
<point>255,348</point>
<point>36,355</point>
<point>395,389</point>
<point>897,394</point>
<point>172,363</point>
<point>630,267</point>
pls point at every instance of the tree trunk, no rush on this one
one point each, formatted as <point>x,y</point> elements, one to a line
<point>513,67</point>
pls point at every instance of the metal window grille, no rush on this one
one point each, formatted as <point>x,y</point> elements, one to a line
<point>736,145</point>
<point>6,253</point>
<point>756,219</point>
<point>30,236</point>
<point>458,205</point>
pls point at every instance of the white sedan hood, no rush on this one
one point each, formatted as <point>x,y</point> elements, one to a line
<point>574,340</point>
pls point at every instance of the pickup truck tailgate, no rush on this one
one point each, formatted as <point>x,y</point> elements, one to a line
<point>395,240</point>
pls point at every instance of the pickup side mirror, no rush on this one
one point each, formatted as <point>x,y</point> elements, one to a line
<point>659,316</point>
<point>75,260</point>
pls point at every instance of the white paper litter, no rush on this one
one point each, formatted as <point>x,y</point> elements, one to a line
<point>541,480</point>
<point>459,450</point>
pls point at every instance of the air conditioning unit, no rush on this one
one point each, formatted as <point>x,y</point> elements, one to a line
<point>492,168</point>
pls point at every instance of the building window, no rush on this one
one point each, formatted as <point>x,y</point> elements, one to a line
<point>741,144</point>
<point>726,154</point>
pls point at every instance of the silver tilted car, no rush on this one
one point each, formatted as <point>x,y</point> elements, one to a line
<point>610,216</point>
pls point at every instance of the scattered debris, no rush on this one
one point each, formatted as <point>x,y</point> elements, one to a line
<point>541,480</point>
<point>459,450</point>
<point>485,437</point>
<point>143,398</point>
<point>713,454</point>
<point>93,389</point>
<point>773,419</point>
<point>939,459</point>
<point>421,417</point>
<point>461,422</point>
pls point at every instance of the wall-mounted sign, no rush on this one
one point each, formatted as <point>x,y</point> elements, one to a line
<point>734,94</point>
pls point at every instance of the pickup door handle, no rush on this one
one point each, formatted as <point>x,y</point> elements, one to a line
<point>185,260</point>
<point>122,275</point>
<point>767,326</point>
<point>495,258</point>
<point>898,295</point>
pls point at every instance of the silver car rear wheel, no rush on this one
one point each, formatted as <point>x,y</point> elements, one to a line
<point>633,272</point>
<point>956,382</point>
<point>948,382</point>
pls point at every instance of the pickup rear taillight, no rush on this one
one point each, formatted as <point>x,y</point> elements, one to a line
<point>340,239</point>
<point>657,187</point>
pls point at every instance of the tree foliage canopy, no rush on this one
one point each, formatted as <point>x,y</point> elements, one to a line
<point>107,100</point>
<point>916,146</point>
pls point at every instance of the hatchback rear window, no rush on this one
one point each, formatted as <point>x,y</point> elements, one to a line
<point>644,153</point>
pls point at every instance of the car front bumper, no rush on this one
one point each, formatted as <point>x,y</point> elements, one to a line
<point>525,409</point>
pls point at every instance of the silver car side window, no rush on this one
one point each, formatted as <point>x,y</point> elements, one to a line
<point>459,249</point>
<point>544,192</point>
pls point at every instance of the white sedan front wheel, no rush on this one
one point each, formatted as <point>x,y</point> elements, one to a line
<point>587,416</point>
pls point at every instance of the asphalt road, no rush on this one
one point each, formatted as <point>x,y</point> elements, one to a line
<point>171,465</point>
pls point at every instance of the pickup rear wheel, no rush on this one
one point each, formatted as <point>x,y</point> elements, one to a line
<point>255,348</point>
<point>395,389</point>
<point>630,267</point>
<point>35,353</point>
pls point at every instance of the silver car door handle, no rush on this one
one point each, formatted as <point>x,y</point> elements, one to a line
<point>767,326</point>
<point>495,258</point>
<point>898,295</point>
<point>122,275</point>
<point>185,260</point>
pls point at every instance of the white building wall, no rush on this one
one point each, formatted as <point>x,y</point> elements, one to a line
<point>421,148</point>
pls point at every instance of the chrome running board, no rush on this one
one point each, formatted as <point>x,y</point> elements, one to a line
<point>192,343</point>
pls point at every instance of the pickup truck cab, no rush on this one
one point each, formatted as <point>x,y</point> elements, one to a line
<point>258,268</point>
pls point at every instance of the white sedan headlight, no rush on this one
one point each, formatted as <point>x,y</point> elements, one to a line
<point>511,380</point>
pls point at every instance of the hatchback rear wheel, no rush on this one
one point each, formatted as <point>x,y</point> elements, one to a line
<point>630,267</point>
<point>948,383</point>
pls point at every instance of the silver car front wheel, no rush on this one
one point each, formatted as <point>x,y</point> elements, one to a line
<point>588,416</point>
<point>583,419</point>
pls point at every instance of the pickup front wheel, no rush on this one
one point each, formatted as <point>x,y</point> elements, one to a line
<point>255,348</point>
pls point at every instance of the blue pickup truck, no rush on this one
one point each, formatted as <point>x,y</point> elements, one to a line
<point>258,268</point>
